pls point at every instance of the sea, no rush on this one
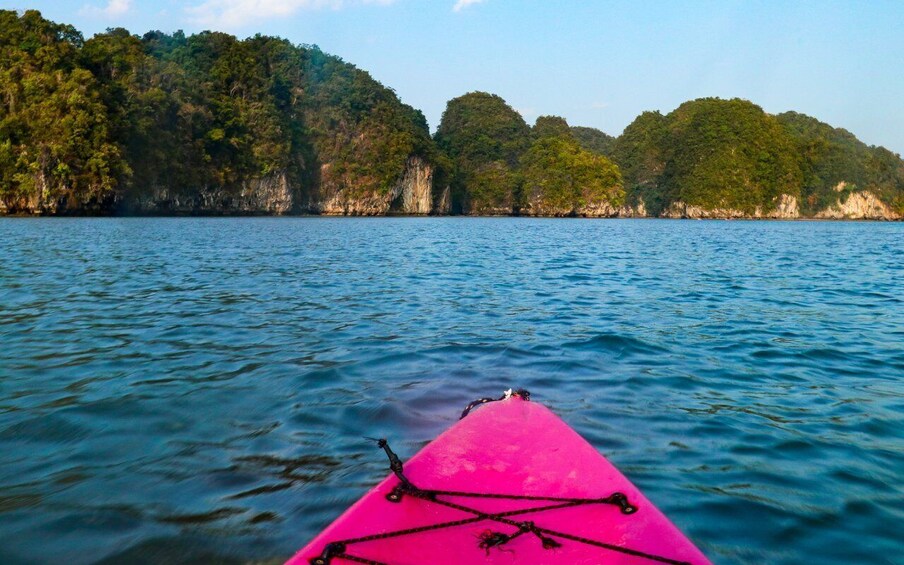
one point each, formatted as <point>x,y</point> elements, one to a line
<point>198,390</point>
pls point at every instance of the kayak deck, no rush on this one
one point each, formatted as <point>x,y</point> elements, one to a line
<point>510,483</point>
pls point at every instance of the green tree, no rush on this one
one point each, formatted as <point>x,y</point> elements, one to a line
<point>834,163</point>
<point>710,153</point>
<point>56,151</point>
<point>561,178</point>
<point>729,154</point>
<point>640,152</point>
<point>594,140</point>
<point>484,138</point>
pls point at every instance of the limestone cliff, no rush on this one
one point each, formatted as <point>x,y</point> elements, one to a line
<point>606,210</point>
<point>52,197</point>
<point>415,188</point>
<point>442,203</point>
<point>411,194</point>
<point>270,195</point>
<point>859,206</point>
<point>786,207</point>
<point>31,203</point>
<point>602,209</point>
<point>490,211</point>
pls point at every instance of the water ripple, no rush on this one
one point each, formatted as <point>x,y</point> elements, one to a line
<point>197,390</point>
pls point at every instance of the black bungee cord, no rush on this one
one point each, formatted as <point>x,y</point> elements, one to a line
<point>489,539</point>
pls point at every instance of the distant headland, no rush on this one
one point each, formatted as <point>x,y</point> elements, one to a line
<point>169,124</point>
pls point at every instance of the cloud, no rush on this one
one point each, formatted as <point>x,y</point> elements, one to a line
<point>238,13</point>
<point>111,10</point>
<point>462,4</point>
<point>599,105</point>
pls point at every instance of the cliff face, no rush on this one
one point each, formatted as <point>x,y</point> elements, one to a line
<point>275,195</point>
<point>785,208</point>
<point>415,188</point>
<point>411,194</point>
<point>52,197</point>
<point>488,211</point>
<point>602,209</point>
<point>30,203</point>
<point>606,210</point>
<point>859,206</point>
<point>270,195</point>
<point>442,203</point>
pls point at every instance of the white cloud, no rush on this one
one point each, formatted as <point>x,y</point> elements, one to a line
<point>111,10</point>
<point>462,4</point>
<point>237,13</point>
<point>599,105</point>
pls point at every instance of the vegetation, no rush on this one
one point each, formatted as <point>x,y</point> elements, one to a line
<point>55,138</point>
<point>594,140</point>
<point>715,153</point>
<point>91,125</point>
<point>835,163</point>
<point>640,152</point>
<point>561,178</point>
<point>120,122</point>
<point>484,138</point>
<point>710,153</point>
<point>500,165</point>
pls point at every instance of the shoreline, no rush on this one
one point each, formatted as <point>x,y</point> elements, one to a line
<point>475,216</point>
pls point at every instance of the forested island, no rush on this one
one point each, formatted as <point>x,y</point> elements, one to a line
<point>208,124</point>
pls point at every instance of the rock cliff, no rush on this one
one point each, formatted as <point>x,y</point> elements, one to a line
<point>606,210</point>
<point>442,203</point>
<point>411,194</point>
<point>270,195</point>
<point>415,188</point>
<point>859,206</point>
<point>275,195</point>
<point>602,209</point>
<point>490,211</point>
<point>785,208</point>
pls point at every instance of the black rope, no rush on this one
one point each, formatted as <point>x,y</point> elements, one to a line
<point>521,393</point>
<point>395,463</point>
<point>489,539</point>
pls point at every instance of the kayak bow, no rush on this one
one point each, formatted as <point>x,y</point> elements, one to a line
<point>509,483</point>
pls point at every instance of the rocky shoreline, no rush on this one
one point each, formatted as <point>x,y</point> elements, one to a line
<point>414,196</point>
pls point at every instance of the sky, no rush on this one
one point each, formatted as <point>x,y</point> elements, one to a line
<point>596,63</point>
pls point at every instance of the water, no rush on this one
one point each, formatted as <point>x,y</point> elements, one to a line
<point>196,390</point>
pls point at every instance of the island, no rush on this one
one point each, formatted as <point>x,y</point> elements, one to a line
<point>207,124</point>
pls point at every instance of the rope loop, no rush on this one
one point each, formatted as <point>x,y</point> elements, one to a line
<point>521,393</point>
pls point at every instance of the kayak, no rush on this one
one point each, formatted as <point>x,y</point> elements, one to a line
<point>509,483</point>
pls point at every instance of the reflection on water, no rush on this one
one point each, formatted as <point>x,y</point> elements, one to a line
<point>196,390</point>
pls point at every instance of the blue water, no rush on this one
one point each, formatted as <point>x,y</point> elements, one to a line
<point>196,390</point>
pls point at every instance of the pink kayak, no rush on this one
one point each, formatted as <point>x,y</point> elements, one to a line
<point>509,483</point>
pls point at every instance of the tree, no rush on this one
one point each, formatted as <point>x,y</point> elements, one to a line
<point>560,178</point>
<point>834,163</point>
<point>594,140</point>
<point>484,138</point>
<point>56,150</point>
<point>710,153</point>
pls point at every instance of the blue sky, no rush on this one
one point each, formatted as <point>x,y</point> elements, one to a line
<point>596,63</point>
